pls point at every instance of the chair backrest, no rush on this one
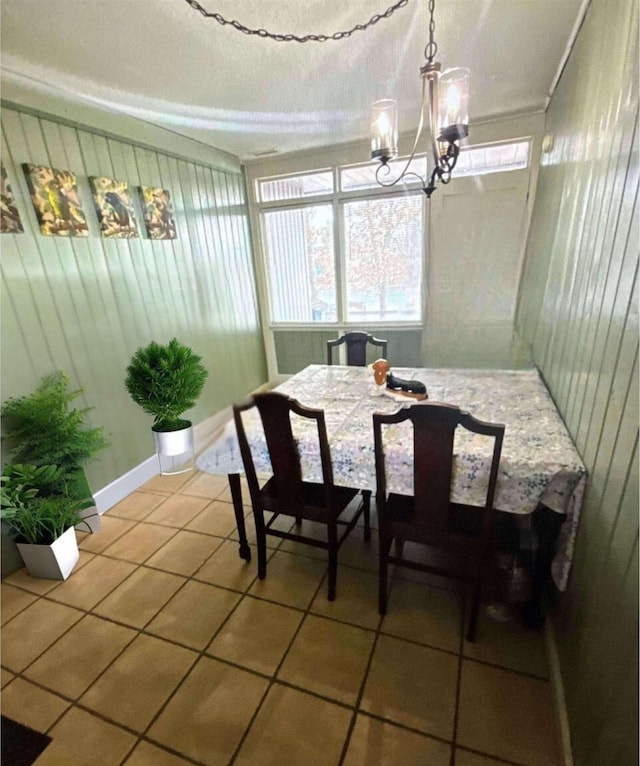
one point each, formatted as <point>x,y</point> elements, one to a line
<point>275,413</point>
<point>434,426</point>
<point>356,347</point>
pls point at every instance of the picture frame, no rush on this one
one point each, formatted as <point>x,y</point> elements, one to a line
<point>114,208</point>
<point>10,222</point>
<point>158,212</point>
<point>55,199</point>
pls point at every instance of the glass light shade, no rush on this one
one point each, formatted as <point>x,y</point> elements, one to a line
<point>384,130</point>
<point>453,105</point>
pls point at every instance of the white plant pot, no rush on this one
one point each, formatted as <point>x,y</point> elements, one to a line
<point>55,561</point>
<point>174,450</point>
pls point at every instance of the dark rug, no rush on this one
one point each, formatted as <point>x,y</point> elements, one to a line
<point>20,744</point>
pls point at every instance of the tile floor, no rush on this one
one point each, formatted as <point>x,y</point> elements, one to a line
<point>163,648</point>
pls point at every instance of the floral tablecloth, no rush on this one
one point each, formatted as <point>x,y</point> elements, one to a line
<point>539,462</point>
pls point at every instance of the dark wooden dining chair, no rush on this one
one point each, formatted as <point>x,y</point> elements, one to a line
<point>285,493</point>
<point>428,517</point>
<point>356,347</point>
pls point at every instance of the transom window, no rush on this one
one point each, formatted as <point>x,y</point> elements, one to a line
<point>339,249</point>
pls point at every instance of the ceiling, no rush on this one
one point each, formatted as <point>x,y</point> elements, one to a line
<point>163,62</point>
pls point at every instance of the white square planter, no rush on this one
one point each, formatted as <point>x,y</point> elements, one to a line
<point>55,561</point>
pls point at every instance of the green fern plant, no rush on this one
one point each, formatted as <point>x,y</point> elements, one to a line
<point>44,429</point>
<point>166,380</point>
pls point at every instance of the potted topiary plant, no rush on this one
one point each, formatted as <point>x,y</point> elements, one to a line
<point>166,380</point>
<point>42,524</point>
<point>44,429</point>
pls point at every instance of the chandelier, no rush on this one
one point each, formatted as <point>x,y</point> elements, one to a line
<point>445,98</point>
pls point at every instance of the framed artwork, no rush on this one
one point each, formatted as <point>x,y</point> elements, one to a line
<point>114,208</point>
<point>10,222</point>
<point>158,214</point>
<point>55,199</point>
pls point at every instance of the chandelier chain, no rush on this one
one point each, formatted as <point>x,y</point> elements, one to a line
<point>285,38</point>
<point>432,47</point>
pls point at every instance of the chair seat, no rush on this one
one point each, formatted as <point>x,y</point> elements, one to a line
<point>314,499</point>
<point>464,529</point>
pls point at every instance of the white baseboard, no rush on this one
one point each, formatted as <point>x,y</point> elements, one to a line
<point>558,691</point>
<point>204,433</point>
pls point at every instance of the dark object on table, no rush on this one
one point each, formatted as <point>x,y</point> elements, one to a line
<point>462,533</point>
<point>356,347</point>
<point>402,386</point>
<point>285,493</point>
<point>21,746</point>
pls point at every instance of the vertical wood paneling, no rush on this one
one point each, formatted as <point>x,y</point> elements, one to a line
<point>84,305</point>
<point>578,310</point>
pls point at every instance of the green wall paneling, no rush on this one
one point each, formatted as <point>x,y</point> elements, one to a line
<point>578,311</point>
<point>85,304</point>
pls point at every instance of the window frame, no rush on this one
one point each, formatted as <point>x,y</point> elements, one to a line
<point>337,200</point>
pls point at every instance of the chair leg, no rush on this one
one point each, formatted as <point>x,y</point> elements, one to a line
<point>384,545</point>
<point>366,511</point>
<point>399,547</point>
<point>475,608</point>
<point>261,540</point>
<point>332,534</point>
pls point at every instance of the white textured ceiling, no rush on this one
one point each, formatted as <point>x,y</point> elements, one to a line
<point>162,61</point>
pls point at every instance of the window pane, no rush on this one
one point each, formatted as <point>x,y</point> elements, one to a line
<point>478,160</point>
<point>383,251</point>
<point>294,187</point>
<point>300,265</point>
<point>364,176</point>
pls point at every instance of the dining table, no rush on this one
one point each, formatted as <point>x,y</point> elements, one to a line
<point>540,467</point>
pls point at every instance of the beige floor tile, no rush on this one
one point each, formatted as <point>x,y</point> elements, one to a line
<point>507,715</point>
<point>207,485</point>
<point>177,511</point>
<point>22,579</point>
<point>14,600</point>
<point>194,614</point>
<point>29,705</point>
<point>112,528</point>
<point>138,683</point>
<point>250,528</point>
<point>7,676</point>
<point>140,543</point>
<point>465,758</point>
<point>207,716</point>
<point>256,635</point>
<point>356,552</point>
<point>167,484</point>
<point>34,630</point>
<point>140,597</point>
<point>427,615</point>
<point>216,519</point>
<point>184,553</point>
<point>150,755</point>
<point>226,568</point>
<point>412,685</point>
<point>328,658</point>
<point>86,587</point>
<point>73,663</point>
<point>136,506</point>
<point>283,571</point>
<point>356,599</point>
<point>244,488</point>
<point>313,530</point>
<point>270,741</point>
<point>510,645</point>
<point>81,735</point>
<point>375,743</point>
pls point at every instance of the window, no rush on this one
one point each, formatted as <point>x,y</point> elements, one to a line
<point>383,259</point>
<point>339,249</point>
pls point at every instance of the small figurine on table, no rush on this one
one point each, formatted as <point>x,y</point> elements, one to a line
<point>387,381</point>
<point>380,369</point>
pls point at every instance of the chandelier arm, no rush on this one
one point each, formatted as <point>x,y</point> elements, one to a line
<point>433,118</point>
<point>287,38</point>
